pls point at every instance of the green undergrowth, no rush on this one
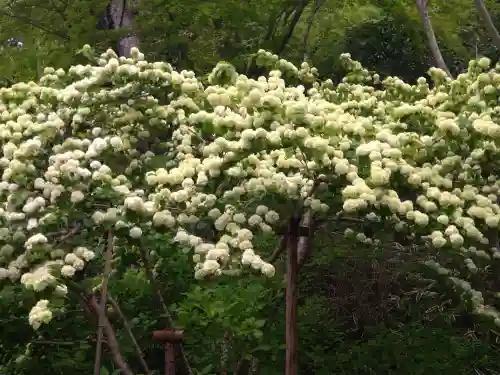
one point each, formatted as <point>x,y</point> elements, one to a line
<point>375,313</point>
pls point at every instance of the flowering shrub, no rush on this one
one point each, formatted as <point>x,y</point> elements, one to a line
<point>137,147</point>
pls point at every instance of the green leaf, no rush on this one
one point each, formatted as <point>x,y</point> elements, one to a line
<point>260,323</point>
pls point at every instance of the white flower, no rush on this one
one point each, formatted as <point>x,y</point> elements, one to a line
<point>77,196</point>
<point>40,314</point>
<point>272,217</point>
<point>135,232</point>
<point>68,271</point>
<point>268,270</point>
<point>223,192</point>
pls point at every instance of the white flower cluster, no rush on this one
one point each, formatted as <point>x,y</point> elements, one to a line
<point>141,147</point>
<point>40,314</point>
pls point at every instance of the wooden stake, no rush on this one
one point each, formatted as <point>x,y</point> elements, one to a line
<point>170,337</point>
<point>291,298</point>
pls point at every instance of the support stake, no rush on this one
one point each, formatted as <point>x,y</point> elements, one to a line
<point>291,298</point>
<point>170,338</point>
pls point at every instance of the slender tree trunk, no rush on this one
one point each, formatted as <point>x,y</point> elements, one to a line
<point>317,6</point>
<point>226,343</point>
<point>431,37</point>
<point>254,366</point>
<point>293,23</point>
<point>488,22</point>
<point>102,307</point>
<point>305,245</point>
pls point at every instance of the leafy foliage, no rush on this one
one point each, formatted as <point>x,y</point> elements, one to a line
<point>364,308</point>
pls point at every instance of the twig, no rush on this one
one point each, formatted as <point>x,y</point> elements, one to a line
<point>72,232</point>
<point>127,327</point>
<point>225,346</point>
<point>102,308</point>
<point>317,6</point>
<point>154,285</point>
<point>254,366</point>
<point>279,250</point>
<point>50,342</point>
<point>65,233</point>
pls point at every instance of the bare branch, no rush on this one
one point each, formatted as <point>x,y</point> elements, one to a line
<point>154,284</point>
<point>58,343</point>
<point>122,17</point>
<point>92,309</point>
<point>279,250</point>
<point>254,366</point>
<point>65,234</point>
<point>225,347</point>
<point>243,367</point>
<point>128,329</point>
<point>112,342</point>
<point>291,366</point>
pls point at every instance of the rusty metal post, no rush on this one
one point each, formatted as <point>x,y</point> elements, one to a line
<point>169,337</point>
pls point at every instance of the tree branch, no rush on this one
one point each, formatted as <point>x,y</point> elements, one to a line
<point>92,309</point>
<point>128,329</point>
<point>112,342</point>
<point>281,248</point>
<point>293,23</point>
<point>154,284</point>
<point>35,25</point>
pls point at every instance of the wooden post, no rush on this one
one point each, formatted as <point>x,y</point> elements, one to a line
<point>291,298</point>
<point>170,337</point>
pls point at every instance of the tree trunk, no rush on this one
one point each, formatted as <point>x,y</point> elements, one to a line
<point>488,23</point>
<point>120,14</point>
<point>431,37</point>
<point>305,44</point>
<point>293,23</point>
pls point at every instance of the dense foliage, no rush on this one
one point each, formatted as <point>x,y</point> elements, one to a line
<point>148,170</point>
